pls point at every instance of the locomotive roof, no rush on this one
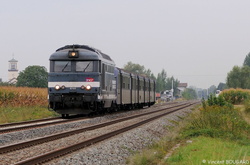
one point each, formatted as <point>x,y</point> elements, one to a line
<point>85,52</point>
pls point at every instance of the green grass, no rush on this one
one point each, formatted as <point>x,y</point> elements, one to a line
<point>18,114</point>
<point>207,149</point>
<point>219,122</point>
<point>219,133</point>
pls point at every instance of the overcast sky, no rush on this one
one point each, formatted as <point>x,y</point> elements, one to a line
<point>196,41</point>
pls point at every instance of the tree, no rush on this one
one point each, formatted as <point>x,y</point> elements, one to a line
<point>175,84</point>
<point>247,60</point>
<point>150,74</point>
<point>33,76</point>
<point>138,69</point>
<point>211,89</point>
<point>134,68</point>
<point>222,86</point>
<point>239,77</point>
<point>161,81</point>
<point>189,94</point>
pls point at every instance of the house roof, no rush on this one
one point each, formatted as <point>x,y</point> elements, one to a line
<point>184,85</point>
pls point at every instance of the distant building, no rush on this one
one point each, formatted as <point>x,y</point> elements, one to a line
<point>181,87</point>
<point>13,71</point>
<point>1,80</point>
<point>157,95</point>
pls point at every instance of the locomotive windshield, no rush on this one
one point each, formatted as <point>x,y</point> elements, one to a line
<point>84,66</point>
<point>75,66</point>
<point>62,66</point>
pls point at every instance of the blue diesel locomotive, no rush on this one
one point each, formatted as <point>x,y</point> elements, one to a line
<point>83,80</point>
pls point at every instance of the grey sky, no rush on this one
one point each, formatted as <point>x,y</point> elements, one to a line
<point>196,41</point>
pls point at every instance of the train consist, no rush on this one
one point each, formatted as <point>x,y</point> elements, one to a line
<point>83,80</point>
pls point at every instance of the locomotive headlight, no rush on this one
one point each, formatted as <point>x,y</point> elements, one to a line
<point>63,87</point>
<point>88,87</point>
<point>57,87</point>
<point>82,87</point>
<point>73,54</point>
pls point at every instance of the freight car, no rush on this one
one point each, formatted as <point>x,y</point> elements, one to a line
<point>84,80</point>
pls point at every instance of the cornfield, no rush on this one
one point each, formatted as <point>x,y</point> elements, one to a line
<point>23,96</point>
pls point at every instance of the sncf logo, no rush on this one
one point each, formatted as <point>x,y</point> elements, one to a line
<point>89,79</point>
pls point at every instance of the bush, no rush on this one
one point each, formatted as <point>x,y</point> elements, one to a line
<point>235,96</point>
<point>247,105</point>
<point>216,101</point>
<point>220,101</point>
<point>218,121</point>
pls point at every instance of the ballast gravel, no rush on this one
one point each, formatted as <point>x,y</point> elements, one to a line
<point>113,151</point>
<point>116,150</point>
<point>16,137</point>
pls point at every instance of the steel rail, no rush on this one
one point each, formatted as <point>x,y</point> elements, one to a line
<point>26,144</point>
<point>61,152</point>
<point>39,125</point>
<point>29,122</point>
<point>37,121</point>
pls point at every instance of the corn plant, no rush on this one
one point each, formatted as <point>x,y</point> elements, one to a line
<point>22,96</point>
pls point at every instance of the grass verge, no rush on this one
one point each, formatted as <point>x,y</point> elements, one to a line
<point>17,114</point>
<point>219,135</point>
<point>207,150</point>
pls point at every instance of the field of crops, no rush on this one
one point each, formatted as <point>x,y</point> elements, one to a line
<point>22,103</point>
<point>23,96</point>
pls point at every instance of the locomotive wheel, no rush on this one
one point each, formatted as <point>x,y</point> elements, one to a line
<point>64,116</point>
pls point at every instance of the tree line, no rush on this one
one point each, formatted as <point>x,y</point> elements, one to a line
<point>37,76</point>
<point>162,81</point>
<point>239,76</point>
<point>32,76</point>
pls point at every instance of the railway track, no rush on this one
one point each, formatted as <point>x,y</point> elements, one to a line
<point>6,128</point>
<point>71,148</point>
<point>11,127</point>
<point>28,122</point>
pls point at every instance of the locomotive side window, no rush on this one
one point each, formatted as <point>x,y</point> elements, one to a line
<point>62,66</point>
<point>84,66</point>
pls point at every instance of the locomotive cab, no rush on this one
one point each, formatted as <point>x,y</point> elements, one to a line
<point>75,80</point>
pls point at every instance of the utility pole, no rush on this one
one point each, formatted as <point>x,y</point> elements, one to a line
<point>172,93</point>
